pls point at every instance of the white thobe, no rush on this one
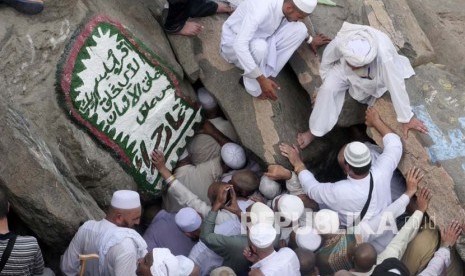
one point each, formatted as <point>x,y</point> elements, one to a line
<point>387,73</point>
<point>121,259</point>
<point>347,197</point>
<point>204,257</point>
<point>283,262</point>
<point>258,39</point>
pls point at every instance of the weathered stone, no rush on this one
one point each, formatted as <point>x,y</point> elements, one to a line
<point>447,43</point>
<point>438,101</point>
<point>43,191</point>
<point>183,48</point>
<point>30,49</point>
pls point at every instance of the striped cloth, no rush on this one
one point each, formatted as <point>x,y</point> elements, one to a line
<point>26,257</point>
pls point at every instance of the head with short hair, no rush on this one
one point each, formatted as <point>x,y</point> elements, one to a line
<point>295,10</point>
<point>125,209</point>
<point>4,205</point>
<point>245,182</point>
<point>213,191</point>
<point>364,257</point>
<point>307,260</point>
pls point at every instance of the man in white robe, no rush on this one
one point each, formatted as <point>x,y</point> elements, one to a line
<point>261,36</point>
<point>118,246</point>
<point>363,61</point>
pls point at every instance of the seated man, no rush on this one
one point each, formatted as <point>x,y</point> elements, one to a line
<point>24,256</point>
<point>179,12</point>
<point>364,61</point>
<point>366,191</point>
<point>163,232</point>
<point>118,246</point>
<point>261,36</point>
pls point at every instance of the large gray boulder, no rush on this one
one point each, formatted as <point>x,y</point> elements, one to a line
<point>57,174</point>
<point>438,101</point>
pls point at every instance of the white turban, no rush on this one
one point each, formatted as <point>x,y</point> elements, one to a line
<point>188,220</point>
<point>357,45</point>
<point>291,207</point>
<point>269,188</point>
<point>306,237</point>
<point>260,213</point>
<point>326,221</point>
<point>233,156</point>
<point>262,235</point>
<point>164,263</point>
<point>357,154</point>
<point>125,199</point>
<point>206,99</point>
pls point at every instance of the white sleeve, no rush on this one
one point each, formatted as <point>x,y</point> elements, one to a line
<point>70,264</point>
<point>293,185</point>
<point>397,246</point>
<point>438,263</point>
<point>390,158</point>
<point>325,193</point>
<point>330,55</point>
<point>251,22</point>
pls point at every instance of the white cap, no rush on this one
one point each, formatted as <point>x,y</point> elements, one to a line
<point>222,271</point>
<point>186,265</point>
<point>260,213</point>
<point>326,221</point>
<point>262,235</point>
<point>291,207</point>
<point>233,156</point>
<point>269,188</point>
<point>188,220</point>
<point>306,237</point>
<point>164,263</point>
<point>307,6</point>
<point>357,154</point>
<point>206,99</point>
<point>125,199</point>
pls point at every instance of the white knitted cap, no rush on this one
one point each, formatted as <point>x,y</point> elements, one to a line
<point>260,213</point>
<point>269,188</point>
<point>306,237</point>
<point>326,221</point>
<point>188,220</point>
<point>262,235</point>
<point>233,156</point>
<point>206,99</point>
<point>125,199</point>
<point>307,6</point>
<point>357,154</point>
<point>291,207</point>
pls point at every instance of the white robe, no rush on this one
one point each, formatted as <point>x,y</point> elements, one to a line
<point>121,258</point>
<point>258,39</point>
<point>283,262</point>
<point>387,72</point>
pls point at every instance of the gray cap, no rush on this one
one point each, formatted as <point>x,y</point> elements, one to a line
<point>357,154</point>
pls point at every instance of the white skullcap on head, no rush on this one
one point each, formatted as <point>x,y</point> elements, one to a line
<point>188,220</point>
<point>233,156</point>
<point>326,221</point>
<point>206,99</point>
<point>125,199</point>
<point>357,45</point>
<point>164,263</point>
<point>222,271</point>
<point>262,235</point>
<point>306,237</point>
<point>357,154</point>
<point>260,213</point>
<point>307,6</point>
<point>186,265</point>
<point>291,207</point>
<point>269,188</point>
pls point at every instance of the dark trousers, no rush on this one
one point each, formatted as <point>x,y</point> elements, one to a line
<point>180,10</point>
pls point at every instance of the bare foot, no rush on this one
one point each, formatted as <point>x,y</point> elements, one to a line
<point>224,8</point>
<point>190,29</point>
<point>304,139</point>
